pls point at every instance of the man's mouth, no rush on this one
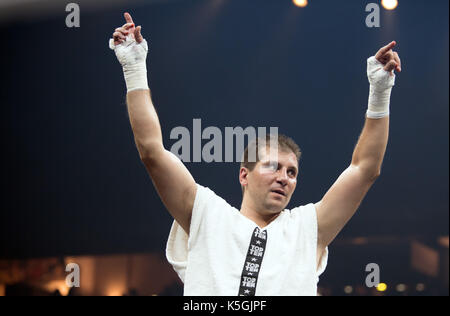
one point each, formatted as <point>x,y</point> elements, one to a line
<point>279,192</point>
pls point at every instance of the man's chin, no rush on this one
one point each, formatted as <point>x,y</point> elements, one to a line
<point>275,207</point>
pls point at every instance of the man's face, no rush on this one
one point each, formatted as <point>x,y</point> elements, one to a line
<point>273,180</point>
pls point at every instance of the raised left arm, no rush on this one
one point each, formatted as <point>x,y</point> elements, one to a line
<point>342,200</point>
<point>344,197</point>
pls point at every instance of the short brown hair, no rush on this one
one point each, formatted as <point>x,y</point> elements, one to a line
<point>285,144</point>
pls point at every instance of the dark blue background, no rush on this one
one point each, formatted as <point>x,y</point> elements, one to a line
<point>72,181</point>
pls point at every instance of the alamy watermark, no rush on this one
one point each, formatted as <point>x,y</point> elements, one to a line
<point>373,19</point>
<point>373,278</point>
<point>73,18</point>
<point>73,278</point>
<point>212,151</point>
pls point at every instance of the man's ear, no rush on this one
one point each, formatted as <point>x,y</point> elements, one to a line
<point>243,176</point>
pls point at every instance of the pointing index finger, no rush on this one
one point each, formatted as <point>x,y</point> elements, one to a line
<point>128,17</point>
<point>386,48</point>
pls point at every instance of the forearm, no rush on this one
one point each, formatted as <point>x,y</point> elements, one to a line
<point>371,147</point>
<point>131,50</point>
<point>144,123</point>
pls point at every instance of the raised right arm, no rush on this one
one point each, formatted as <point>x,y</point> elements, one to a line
<point>173,182</point>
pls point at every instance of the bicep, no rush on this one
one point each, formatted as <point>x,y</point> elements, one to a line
<point>340,203</point>
<point>175,185</point>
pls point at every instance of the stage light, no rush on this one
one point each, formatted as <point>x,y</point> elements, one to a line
<point>59,285</point>
<point>420,287</point>
<point>389,4</point>
<point>348,289</point>
<point>400,288</point>
<point>300,3</point>
<point>115,291</point>
<point>382,287</point>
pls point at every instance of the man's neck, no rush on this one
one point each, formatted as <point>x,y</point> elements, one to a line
<point>250,210</point>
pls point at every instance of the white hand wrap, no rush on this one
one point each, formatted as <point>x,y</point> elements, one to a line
<point>132,56</point>
<point>381,83</point>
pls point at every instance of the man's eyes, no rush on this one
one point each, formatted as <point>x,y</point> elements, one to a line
<point>274,166</point>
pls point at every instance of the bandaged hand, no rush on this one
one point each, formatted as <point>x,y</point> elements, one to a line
<point>131,51</point>
<point>380,72</point>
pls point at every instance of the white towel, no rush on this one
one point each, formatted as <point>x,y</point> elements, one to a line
<point>210,260</point>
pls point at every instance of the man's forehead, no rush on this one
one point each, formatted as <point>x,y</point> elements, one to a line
<point>282,156</point>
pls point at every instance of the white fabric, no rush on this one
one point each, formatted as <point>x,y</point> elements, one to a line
<point>132,56</point>
<point>211,259</point>
<point>381,83</point>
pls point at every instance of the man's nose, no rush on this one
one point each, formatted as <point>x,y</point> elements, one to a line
<point>282,176</point>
